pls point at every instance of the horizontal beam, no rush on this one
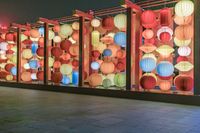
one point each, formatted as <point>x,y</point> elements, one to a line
<point>44,20</point>
<point>79,13</point>
<point>129,4</point>
<point>15,25</point>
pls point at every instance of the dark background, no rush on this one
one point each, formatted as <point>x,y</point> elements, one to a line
<point>21,11</point>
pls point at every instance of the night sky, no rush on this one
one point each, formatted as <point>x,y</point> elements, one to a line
<point>21,11</point>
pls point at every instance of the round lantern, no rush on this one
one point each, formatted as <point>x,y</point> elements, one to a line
<point>74,50</point>
<point>165,85</point>
<point>35,33</point>
<point>108,23</point>
<point>184,51</point>
<point>107,83</point>
<point>40,51</point>
<point>34,76</point>
<point>56,64</point>
<point>120,80</point>
<point>107,52</point>
<point>9,37</point>
<point>182,20</point>
<point>56,77</point>
<point>9,66</point>
<point>95,65</point>
<point>14,71</point>
<point>100,47</point>
<point>121,54</point>
<point>114,48</point>
<point>148,19</point>
<point>165,17</point>
<point>66,30</point>
<point>95,37</point>
<point>26,76</point>
<point>75,35</point>
<point>51,61</point>
<point>65,44</point>
<point>163,30</point>
<point>75,76</point>
<point>184,32</point>
<point>56,51</point>
<point>148,34</point>
<point>180,43</point>
<point>65,80</point>
<point>41,31</point>
<point>181,58</point>
<point>95,53</point>
<point>111,78</point>
<point>147,64</point>
<point>148,82</point>
<point>75,26</point>
<point>120,21</point>
<point>95,79</point>
<point>120,66</point>
<point>149,55</point>
<point>33,64</point>
<point>184,83</point>
<point>27,53</point>
<point>66,69</point>
<point>107,67</point>
<point>165,50</point>
<point>40,75</point>
<point>51,34</point>
<point>184,66</point>
<point>56,28</point>
<point>34,48</point>
<point>9,77</point>
<point>95,23</point>
<point>184,8</point>
<point>165,69</point>
<point>4,46</point>
<point>26,66</point>
<point>120,39</point>
<point>165,37</point>
<point>57,39</point>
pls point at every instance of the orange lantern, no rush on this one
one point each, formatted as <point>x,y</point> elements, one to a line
<point>41,41</point>
<point>148,34</point>
<point>56,64</point>
<point>184,32</point>
<point>95,79</point>
<point>107,67</point>
<point>75,35</point>
<point>165,85</point>
<point>34,33</point>
<point>26,76</point>
<point>74,50</point>
<point>56,28</point>
<point>40,75</point>
<point>182,20</point>
<point>148,48</point>
<point>114,49</point>
<point>121,54</point>
<point>56,77</point>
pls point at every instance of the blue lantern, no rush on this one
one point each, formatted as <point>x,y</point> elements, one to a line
<point>34,48</point>
<point>107,52</point>
<point>65,80</point>
<point>13,71</point>
<point>33,64</point>
<point>75,77</point>
<point>95,65</point>
<point>147,64</point>
<point>120,39</point>
<point>41,30</point>
<point>165,69</point>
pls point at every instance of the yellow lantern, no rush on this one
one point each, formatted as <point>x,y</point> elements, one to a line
<point>66,69</point>
<point>100,47</point>
<point>181,43</point>
<point>14,49</point>
<point>184,8</point>
<point>184,66</point>
<point>149,55</point>
<point>66,30</point>
<point>75,25</point>
<point>9,77</point>
<point>111,78</point>
<point>34,39</point>
<point>148,48</point>
<point>14,59</point>
<point>51,61</point>
<point>23,37</point>
<point>57,39</point>
<point>95,37</point>
<point>151,74</point>
<point>27,53</point>
<point>51,34</point>
<point>95,23</point>
<point>120,21</point>
<point>165,50</point>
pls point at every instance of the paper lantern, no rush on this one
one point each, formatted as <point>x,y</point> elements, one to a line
<point>95,37</point>
<point>40,75</point>
<point>34,33</point>
<point>95,53</point>
<point>95,65</point>
<point>184,8</point>
<point>27,53</point>
<point>56,77</point>
<point>163,30</point>
<point>148,34</point>
<point>107,52</point>
<point>56,64</point>
<point>111,78</point>
<point>9,66</point>
<point>9,37</point>
<point>184,83</point>
<point>149,55</point>
<point>148,19</point>
<point>56,28</point>
<point>120,39</point>
<point>33,64</point>
<point>65,80</point>
<point>34,48</point>
<point>57,39</point>
<point>33,76</point>
<point>66,30</point>
<point>147,64</point>
<point>184,32</point>
<point>148,48</point>
<point>121,66</point>
<point>165,85</point>
<point>107,67</point>
<point>180,43</point>
<point>114,48</point>
<point>121,54</point>
<point>100,47</point>
<point>184,51</point>
<point>27,33</point>
<point>41,31</point>
<point>165,37</point>
<point>56,51</point>
<point>26,66</point>
<point>75,76</point>
<point>4,46</point>
<point>9,77</point>
<point>165,69</point>
<point>75,25</point>
<point>26,76</point>
<point>41,42</point>
<point>66,69</point>
<point>95,23</point>
<point>165,50</point>
<point>108,23</point>
<point>51,34</point>
<point>95,79</point>
<point>148,82</point>
<point>74,50</point>
<point>40,51</point>
<point>182,20</point>
<point>107,83</point>
<point>151,74</point>
<point>107,40</point>
<point>165,17</point>
<point>65,44</point>
<point>184,66</point>
<point>14,71</point>
<point>181,58</point>
<point>120,21</point>
<point>75,36</point>
<point>120,80</point>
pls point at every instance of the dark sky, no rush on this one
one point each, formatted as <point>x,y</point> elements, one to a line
<point>21,11</point>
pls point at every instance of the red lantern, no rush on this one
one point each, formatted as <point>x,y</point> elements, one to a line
<point>56,64</point>
<point>181,58</point>
<point>56,28</point>
<point>40,51</point>
<point>40,75</point>
<point>9,66</point>
<point>9,37</point>
<point>148,82</point>
<point>165,78</point>
<point>150,41</point>
<point>165,17</point>
<point>41,41</point>
<point>3,74</point>
<point>148,19</point>
<point>27,33</point>
<point>108,23</point>
<point>56,51</point>
<point>27,42</point>
<point>95,54</point>
<point>65,44</point>
<point>10,51</point>
<point>56,77</point>
<point>184,83</point>
<point>120,66</point>
<point>75,35</point>
<point>75,63</point>
<point>165,37</point>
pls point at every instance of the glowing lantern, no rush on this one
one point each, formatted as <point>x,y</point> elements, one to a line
<point>14,71</point>
<point>95,80</point>
<point>65,44</point>
<point>164,29</point>
<point>180,43</point>
<point>111,78</point>
<point>165,17</point>
<point>107,67</point>
<point>149,55</point>
<point>100,47</point>
<point>40,51</point>
<point>27,53</point>
<point>66,69</point>
<point>57,39</point>
<point>184,66</point>
<point>95,37</point>
<point>40,75</point>
<point>56,77</point>
<point>26,66</point>
<point>148,82</point>
<point>107,52</point>
<point>148,19</point>
<point>107,83</point>
<point>4,46</point>
<point>148,48</point>
<point>41,42</point>
<point>148,34</point>
<point>95,53</point>
<point>108,23</point>
<point>33,76</point>
<point>165,85</point>
<point>56,28</point>
<point>74,50</point>
<point>165,37</point>
<point>184,83</point>
<point>165,50</point>
<point>41,31</point>
<point>75,35</point>
<point>182,20</point>
<point>121,54</point>
<point>165,69</point>
<point>66,30</point>
<point>9,37</point>
<point>26,76</point>
<point>51,61</point>
<point>23,37</point>
<point>75,26</point>
<point>65,80</point>
<point>120,21</point>
<point>184,8</point>
<point>95,65</point>
<point>56,51</point>
<point>9,77</point>
<point>120,39</point>
<point>184,32</point>
<point>75,75</point>
<point>51,34</point>
<point>95,23</point>
<point>35,33</point>
<point>33,64</point>
<point>147,64</point>
<point>181,58</point>
<point>120,80</point>
<point>184,51</point>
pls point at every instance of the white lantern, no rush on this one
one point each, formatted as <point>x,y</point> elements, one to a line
<point>75,26</point>
<point>57,39</point>
<point>120,21</point>
<point>26,66</point>
<point>66,30</point>
<point>33,76</point>
<point>3,46</point>
<point>184,51</point>
<point>34,39</point>
<point>95,23</point>
<point>51,34</point>
<point>184,8</point>
<point>164,29</point>
<point>165,50</point>
<point>180,43</point>
<point>95,38</point>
